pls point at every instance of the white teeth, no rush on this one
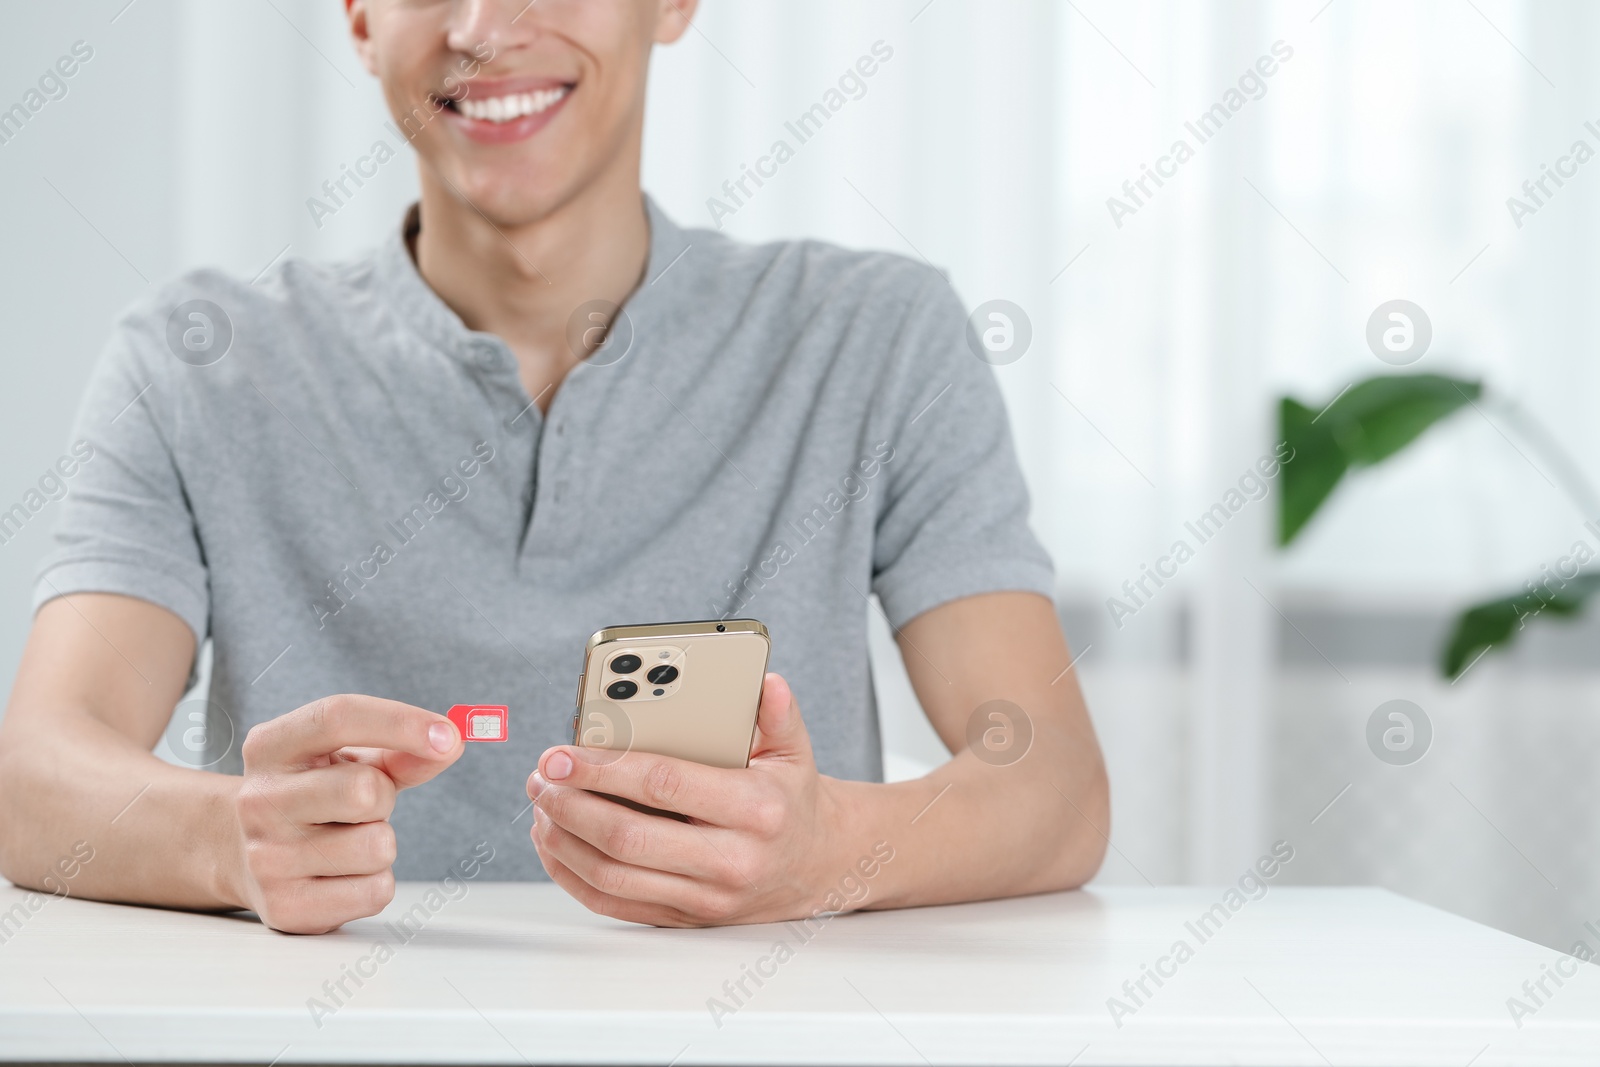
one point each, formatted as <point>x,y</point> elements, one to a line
<point>513,106</point>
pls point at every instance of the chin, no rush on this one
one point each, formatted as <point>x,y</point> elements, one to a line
<point>510,192</point>
<point>507,197</point>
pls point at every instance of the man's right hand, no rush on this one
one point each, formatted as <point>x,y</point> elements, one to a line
<point>316,847</point>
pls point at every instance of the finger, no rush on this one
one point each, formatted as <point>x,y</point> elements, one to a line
<point>293,851</point>
<point>624,834</point>
<point>632,911</point>
<point>340,792</point>
<point>403,769</point>
<point>313,732</point>
<point>710,794</point>
<point>781,733</point>
<point>318,905</point>
<point>346,851</point>
<point>624,880</point>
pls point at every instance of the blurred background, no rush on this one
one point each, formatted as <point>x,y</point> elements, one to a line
<point>1373,164</point>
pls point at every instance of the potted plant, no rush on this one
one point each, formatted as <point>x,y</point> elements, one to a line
<point>1375,419</point>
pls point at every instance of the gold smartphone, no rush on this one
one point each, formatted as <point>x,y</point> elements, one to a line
<point>684,689</point>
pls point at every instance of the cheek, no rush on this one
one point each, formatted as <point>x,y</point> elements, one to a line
<point>406,52</point>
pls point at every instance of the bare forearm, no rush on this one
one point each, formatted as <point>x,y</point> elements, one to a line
<point>971,831</point>
<point>85,811</point>
<point>1024,805</point>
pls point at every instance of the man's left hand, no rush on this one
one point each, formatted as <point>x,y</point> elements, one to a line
<point>753,849</point>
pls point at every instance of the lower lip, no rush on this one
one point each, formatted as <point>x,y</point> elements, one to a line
<point>506,132</point>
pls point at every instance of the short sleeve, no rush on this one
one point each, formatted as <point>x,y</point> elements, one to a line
<point>954,520</point>
<point>125,525</point>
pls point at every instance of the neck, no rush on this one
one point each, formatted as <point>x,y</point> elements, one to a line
<point>522,282</point>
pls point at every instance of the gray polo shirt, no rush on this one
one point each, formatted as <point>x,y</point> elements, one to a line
<point>347,490</point>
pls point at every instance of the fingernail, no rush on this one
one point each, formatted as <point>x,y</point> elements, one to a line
<point>442,736</point>
<point>535,786</point>
<point>558,766</point>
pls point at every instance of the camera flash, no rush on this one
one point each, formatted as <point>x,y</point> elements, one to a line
<point>480,722</point>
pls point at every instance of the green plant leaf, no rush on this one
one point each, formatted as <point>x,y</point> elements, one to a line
<point>1376,418</point>
<point>1364,425</point>
<point>1496,623</point>
<point>1311,470</point>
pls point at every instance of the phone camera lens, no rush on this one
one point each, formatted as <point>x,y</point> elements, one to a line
<point>622,689</point>
<point>721,628</point>
<point>626,663</point>
<point>662,674</point>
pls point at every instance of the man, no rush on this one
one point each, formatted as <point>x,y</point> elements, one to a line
<point>424,477</point>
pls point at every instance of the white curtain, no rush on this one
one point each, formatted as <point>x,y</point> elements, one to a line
<point>1372,164</point>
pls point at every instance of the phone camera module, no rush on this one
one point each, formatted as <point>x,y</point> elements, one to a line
<point>622,688</point>
<point>626,663</point>
<point>662,674</point>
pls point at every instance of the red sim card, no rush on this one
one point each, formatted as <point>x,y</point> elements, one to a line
<point>480,722</point>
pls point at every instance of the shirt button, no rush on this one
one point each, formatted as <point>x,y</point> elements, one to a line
<point>487,354</point>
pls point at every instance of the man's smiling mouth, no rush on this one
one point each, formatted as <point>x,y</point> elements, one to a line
<point>508,107</point>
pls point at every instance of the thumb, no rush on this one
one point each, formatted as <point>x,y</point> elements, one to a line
<point>407,769</point>
<point>780,731</point>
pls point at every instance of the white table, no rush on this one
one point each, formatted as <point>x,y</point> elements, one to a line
<point>513,973</point>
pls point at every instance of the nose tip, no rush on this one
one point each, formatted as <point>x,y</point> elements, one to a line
<point>481,27</point>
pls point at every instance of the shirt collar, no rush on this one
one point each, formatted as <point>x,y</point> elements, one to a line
<point>414,301</point>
